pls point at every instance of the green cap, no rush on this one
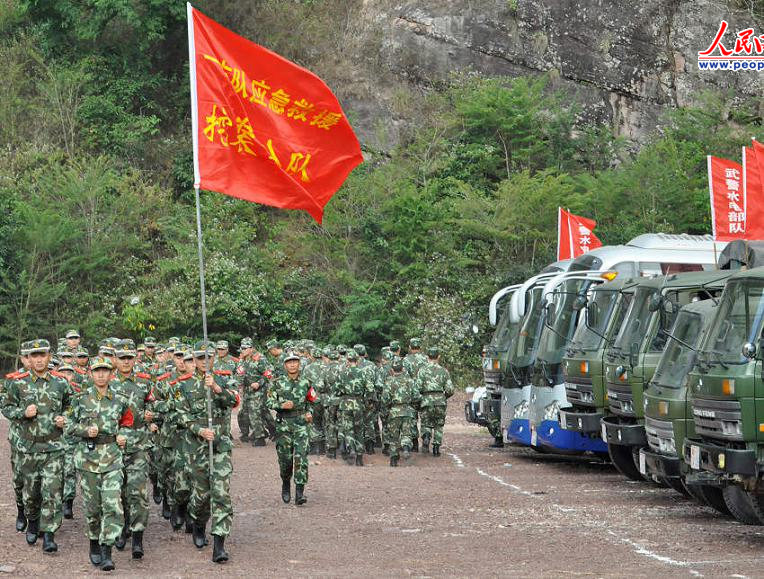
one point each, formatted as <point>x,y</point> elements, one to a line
<point>175,340</point>
<point>65,366</point>
<point>39,345</point>
<point>352,355</point>
<point>291,355</point>
<point>387,355</point>
<point>334,355</point>
<point>72,334</point>
<point>433,352</point>
<point>221,345</point>
<point>395,345</point>
<point>415,343</point>
<point>65,354</point>
<point>101,363</point>
<point>150,341</point>
<point>342,349</point>
<point>125,348</point>
<point>397,363</point>
<point>272,343</point>
<point>201,348</point>
<point>82,352</point>
<point>141,348</point>
<point>361,349</point>
<point>245,343</point>
<point>24,348</point>
<point>315,352</point>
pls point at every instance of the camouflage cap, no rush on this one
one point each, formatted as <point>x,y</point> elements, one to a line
<point>65,354</point>
<point>326,351</point>
<point>352,355</point>
<point>72,334</point>
<point>201,348</point>
<point>334,355</point>
<point>291,355</point>
<point>82,352</point>
<point>188,351</point>
<point>125,348</point>
<point>415,343</point>
<point>170,348</point>
<point>315,352</point>
<point>54,363</point>
<point>221,345</point>
<point>385,348</point>
<point>159,349</point>
<point>150,341</point>
<point>387,355</point>
<point>101,363</point>
<point>342,349</point>
<point>175,340</point>
<point>24,348</point>
<point>395,345</point>
<point>272,343</point>
<point>433,352</point>
<point>397,364</point>
<point>361,349</point>
<point>141,348</point>
<point>66,367</point>
<point>39,345</point>
<point>245,343</point>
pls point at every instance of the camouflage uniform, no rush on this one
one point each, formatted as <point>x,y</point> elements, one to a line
<point>255,370</point>
<point>330,403</point>
<point>70,443</point>
<point>41,446</point>
<point>242,417</point>
<point>184,443</point>
<point>382,372</point>
<point>314,373</point>
<point>15,442</point>
<point>353,389</point>
<point>399,396</point>
<point>292,432</point>
<point>435,386</point>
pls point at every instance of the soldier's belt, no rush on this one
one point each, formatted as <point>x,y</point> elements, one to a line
<point>215,422</point>
<point>294,413</point>
<point>103,439</point>
<point>45,438</point>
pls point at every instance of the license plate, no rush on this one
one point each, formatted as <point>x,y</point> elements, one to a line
<point>642,463</point>
<point>695,457</point>
<point>563,419</point>
<point>534,436</point>
<point>604,432</point>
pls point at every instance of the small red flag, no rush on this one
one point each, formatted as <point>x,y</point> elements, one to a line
<point>575,235</point>
<point>264,129</point>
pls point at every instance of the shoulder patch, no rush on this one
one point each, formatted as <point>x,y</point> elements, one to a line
<point>164,376</point>
<point>185,376</point>
<point>12,375</point>
<point>222,372</point>
<point>18,375</point>
<point>143,375</point>
<point>80,371</point>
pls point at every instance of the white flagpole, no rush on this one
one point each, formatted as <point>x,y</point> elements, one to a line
<point>570,235</point>
<point>559,231</point>
<point>711,193</point>
<point>197,180</point>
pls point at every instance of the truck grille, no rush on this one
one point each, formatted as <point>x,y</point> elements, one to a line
<point>620,400</point>
<point>719,419</point>
<point>580,393</point>
<point>492,380</point>
<point>656,429</point>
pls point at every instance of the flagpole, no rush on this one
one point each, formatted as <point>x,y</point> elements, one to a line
<point>195,140</point>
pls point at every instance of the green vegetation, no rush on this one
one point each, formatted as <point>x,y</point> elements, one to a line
<point>96,203</point>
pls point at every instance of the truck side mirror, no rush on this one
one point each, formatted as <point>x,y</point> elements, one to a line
<point>634,354</point>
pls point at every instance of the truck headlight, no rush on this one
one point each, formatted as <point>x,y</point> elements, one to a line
<point>521,410</point>
<point>552,411</point>
<point>667,445</point>
<point>731,428</point>
<point>587,397</point>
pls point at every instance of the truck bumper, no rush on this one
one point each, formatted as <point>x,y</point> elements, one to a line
<point>718,459</point>
<point>659,464</point>
<point>585,422</point>
<point>552,435</point>
<point>614,432</point>
<point>519,431</point>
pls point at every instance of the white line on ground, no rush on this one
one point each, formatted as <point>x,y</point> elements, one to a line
<point>458,461</point>
<point>502,482</point>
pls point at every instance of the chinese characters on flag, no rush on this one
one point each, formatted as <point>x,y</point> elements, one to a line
<point>574,235</point>
<point>264,129</point>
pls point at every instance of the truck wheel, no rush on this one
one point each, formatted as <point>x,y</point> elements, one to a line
<point>739,504</point>
<point>677,485</point>
<point>757,502</point>
<point>623,459</point>
<point>709,496</point>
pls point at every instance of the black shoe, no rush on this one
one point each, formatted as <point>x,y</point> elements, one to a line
<point>299,497</point>
<point>415,445</point>
<point>259,442</point>
<point>386,450</point>
<point>200,536</point>
<point>166,512</point>
<point>178,516</point>
<point>157,494</point>
<point>106,563</point>
<point>436,450</point>
<point>33,530</point>
<point>68,514</point>
<point>497,443</point>
<point>219,554</point>
<point>393,461</point>
<point>95,552</point>
<point>48,544</point>
<point>321,448</point>
<point>359,460</point>
<point>21,520</point>
<point>122,539</point>
<point>138,545</point>
<point>286,491</point>
<point>426,447</point>
<point>244,438</point>
<point>189,524</point>
<point>331,453</point>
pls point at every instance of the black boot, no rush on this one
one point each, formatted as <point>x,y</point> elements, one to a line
<point>244,437</point>
<point>200,536</point>
<point>189,524</point>
<point>386,449</point>
<point>138,545</point>
<point>33,529</point>
<point>299,497</point>
<point>286,491</point>
<point>359,460</point>
<point>68,514</point>
<point>106,563</point>
<point>156,492</point>
<point>497,443</point>
<point>321,448</point>
<point>178,516</point>
<point>48,544</point>
<point>122,539</point>
<point>415,445</point>
<point>95,552</point>
<point>259,442</point>
<point>436,450</point>
<point>21,519</point>
<point>393,461</point>
<point>219,554</point>
<point>166,512</point>
<point>426,446</point>
<point>331,453</point>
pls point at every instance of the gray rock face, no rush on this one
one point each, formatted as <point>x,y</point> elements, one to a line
<point>625,62</point>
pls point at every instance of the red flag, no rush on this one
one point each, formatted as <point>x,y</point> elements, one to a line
<point>264,129</point>
<point>725,184</point>
<point>753,192</point>
<point>574,235</point>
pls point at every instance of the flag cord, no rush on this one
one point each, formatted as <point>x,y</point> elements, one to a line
<point>204,316</point>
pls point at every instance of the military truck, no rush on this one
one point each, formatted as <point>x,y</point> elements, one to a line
<point>631,361</point>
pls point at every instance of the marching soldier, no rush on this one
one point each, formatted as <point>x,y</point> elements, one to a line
<point>292,397</point>
<point>399,396</point>
<point>14,439</point>
<point>330,403</point>
<point>255,376</point>
<point>70,471</point>
<point>223,360</point>
<point>314,373</point>
<point>242,417</point>
<point>353,389</point>
<point>36,402</point>
<point>414,361</point>
<point>100,417</point>
<point>436,388</point>
<point>72,340</point>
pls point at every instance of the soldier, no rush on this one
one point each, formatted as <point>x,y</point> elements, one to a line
<point>15,441</point>
<point>399,396</point>
<point>70,442</point>
<point>242,417</point>
<point>99,418</point>
<point>36,402</point>
<point>354,388</point>
<point>435,385</point>
<point>383,371</point>
<point>223,360</point>
<point>414,361</point>
<point>292,397</point>
<point>330,402</point>
<point>257,378</point>
<point>137,389</point>
<point>82,358</point>
<point>314,373</point>
<point>211,494</point>
<point>73,340</point>
<point>371,402</point>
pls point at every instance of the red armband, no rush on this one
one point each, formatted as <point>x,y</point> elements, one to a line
<point>127,419</point>
<point>312,395</point>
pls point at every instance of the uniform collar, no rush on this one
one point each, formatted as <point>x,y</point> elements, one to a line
<point>100,396</point>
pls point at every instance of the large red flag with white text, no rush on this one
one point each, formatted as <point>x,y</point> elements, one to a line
<point>753,191</point>
<point>725,184</point>
<point>575,235</point>
<point>264,129</point>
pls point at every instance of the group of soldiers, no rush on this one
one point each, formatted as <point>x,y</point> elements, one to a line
<point>160,413</point>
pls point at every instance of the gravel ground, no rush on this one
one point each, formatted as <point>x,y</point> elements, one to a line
<point>473,511</point>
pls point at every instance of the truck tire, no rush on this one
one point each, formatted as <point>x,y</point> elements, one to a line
<point>739,504</point>
<point>711,496</point>
<point>678,485</point>
<point>757,502</point>
<point>623,459</point>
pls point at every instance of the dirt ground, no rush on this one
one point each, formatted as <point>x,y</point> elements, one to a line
<point>473,511</point>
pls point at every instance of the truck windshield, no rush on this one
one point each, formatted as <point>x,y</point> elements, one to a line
<point>563,320</point>
<point>737,321</point>
<point>599,311</point>
<point>523,350</point>
<point>634,328</point>
<point>677,359</point>
<point>502,337</point>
